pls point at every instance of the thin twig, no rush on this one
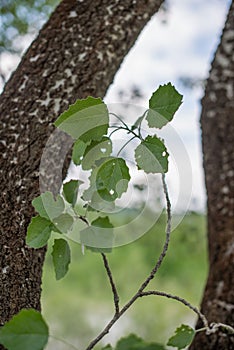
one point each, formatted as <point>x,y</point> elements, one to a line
<point>181,300</point>
<point>166,244</point>
<point>120,119</point>
<point>132,138</point>
<point>112,283</point>
<point>138,294</point>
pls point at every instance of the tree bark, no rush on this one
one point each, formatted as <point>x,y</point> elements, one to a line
<point>76,54</point>
<point>217,122</point>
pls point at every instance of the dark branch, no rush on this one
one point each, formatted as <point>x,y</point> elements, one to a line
<point>112,283</point>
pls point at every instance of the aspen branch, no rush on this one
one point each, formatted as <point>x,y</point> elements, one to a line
<point>179,299</point>
<point>138,294</point>
<point>112,283</point>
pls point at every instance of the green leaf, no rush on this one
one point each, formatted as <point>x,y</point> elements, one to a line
<point>95,151</point>
<point>182,338</point>
<point>95,201</point>
<point>25,331</point>
<point>63,223</point>
<point>133,342</point>
<point>86,120</point>
<point>61,257</point>
<point>70,191</point>
<point>163,104</point>
<point>78,150</point>
<point>112,179</point>
<point>128,343</point>
<point>47,207</point>
<point>107,347</point>
<point>99,236</point>
<point>38,233</point>
<point>151,155</point>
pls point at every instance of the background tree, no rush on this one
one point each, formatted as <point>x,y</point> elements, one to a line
<point>217,121</point>
<point>71,42</point>
<point>76,54</point>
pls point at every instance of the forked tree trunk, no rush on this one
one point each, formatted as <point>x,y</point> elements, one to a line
<point>217,121</point>
<point>76,54</point>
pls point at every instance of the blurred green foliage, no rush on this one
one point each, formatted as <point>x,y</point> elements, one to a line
<point>21,17</point>
<point>79,306</point>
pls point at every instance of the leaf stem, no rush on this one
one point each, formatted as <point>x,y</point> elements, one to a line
<point>126,143</point>
<point>116,116</point>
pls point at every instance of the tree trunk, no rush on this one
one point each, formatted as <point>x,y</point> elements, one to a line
<point>217,121</point>
<point>76,54</point>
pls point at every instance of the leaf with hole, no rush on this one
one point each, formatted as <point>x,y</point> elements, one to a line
<point>61,257</point>
<point>96,151</point>
<point>112,178</point>
<point>25,331</point>
<point>163,104</point>
<point>152,156</point>
<point>99,236</point>
<point>91,195</point>
<point>47,207</point>
<point>182,338</point>
<point>78,151</point>
<point>87,119</point>
<point>38,233</point>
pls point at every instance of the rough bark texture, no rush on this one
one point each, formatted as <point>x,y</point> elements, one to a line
<point>217,121</point>
<point>76,54</point>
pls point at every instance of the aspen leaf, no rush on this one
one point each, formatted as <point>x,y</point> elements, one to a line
<point>96,151</point>
<point>38,233</point>
<point>70,191</point>
<point>162,105</point>
<point>112,179</point>
<point>151,155</point>
<point>25,331</point>
<point>47,207</point>
<point>78,150</point>
<point>61,257</point>
<point>99,236</point>
<point>86,119</point>
<point>182,338</point>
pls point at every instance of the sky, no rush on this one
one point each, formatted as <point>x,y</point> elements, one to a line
<point>166,52</point>
<point>183,47</point>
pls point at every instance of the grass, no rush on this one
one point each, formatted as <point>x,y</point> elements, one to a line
<point>79,306</point>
